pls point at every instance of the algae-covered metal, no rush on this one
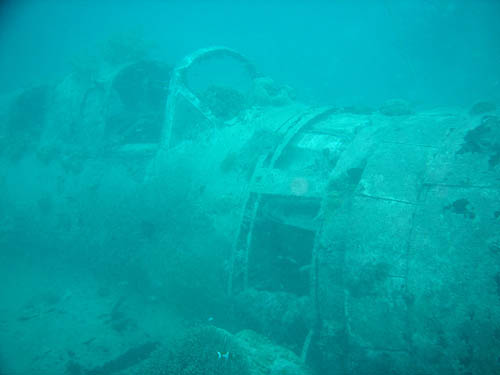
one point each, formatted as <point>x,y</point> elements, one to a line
<point>360,239</point>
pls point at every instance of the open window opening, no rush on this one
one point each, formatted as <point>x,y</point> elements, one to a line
<point>210,90</point>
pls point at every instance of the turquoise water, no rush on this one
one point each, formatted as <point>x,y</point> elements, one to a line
<point>432,52</point>
<point>212,187</point>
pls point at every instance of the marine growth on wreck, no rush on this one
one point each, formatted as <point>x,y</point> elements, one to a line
<point>254,188</point>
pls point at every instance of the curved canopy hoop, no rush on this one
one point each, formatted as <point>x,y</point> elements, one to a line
<point>178,84</point>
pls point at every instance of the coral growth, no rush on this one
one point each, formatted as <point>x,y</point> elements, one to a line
<point>480,108</point>
<point>224,102</point>
<point>266,92</point>
<point>207,350</point>
<point>484,139</point>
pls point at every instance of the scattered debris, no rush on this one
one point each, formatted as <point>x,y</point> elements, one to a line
<point>117,318</point>
<point>124,361</point>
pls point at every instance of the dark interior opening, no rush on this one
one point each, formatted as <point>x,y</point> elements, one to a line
<point>280,257</point>
<point>141,91</point>
<point>25,121</point>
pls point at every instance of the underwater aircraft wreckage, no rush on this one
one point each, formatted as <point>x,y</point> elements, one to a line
<point>359,238</point>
